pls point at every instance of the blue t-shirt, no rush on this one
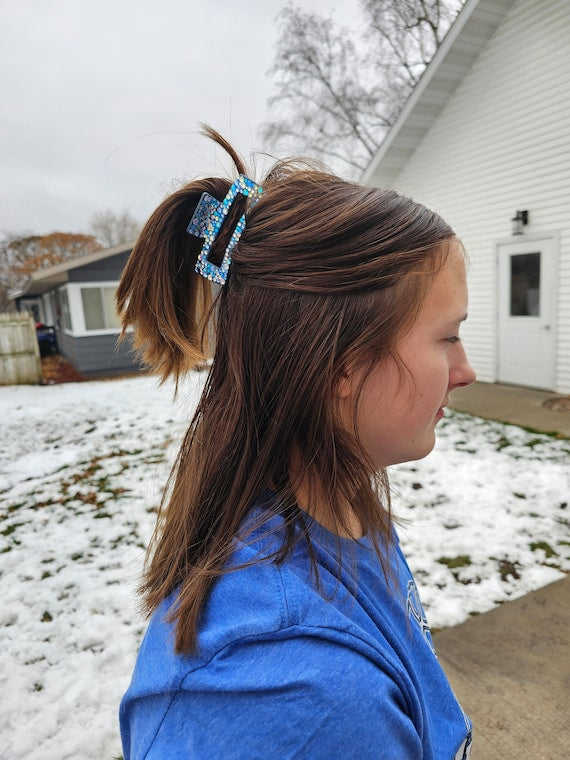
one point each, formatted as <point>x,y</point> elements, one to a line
<point>288,670</point>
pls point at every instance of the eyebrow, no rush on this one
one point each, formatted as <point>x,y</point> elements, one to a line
<point>453,322</point>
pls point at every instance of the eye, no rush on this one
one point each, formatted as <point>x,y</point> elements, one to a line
<point>453,339</point>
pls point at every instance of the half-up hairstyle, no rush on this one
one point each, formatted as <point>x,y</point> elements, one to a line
<point>326,276</point>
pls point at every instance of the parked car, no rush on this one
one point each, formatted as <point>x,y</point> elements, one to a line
<point>46,339</point>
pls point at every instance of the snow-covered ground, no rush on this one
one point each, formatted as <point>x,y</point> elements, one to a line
<point>483,519</point>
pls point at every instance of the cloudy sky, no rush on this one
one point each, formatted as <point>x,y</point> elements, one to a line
<point>101,99</point>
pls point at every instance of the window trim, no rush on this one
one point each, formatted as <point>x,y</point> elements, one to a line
<point>73,290</point>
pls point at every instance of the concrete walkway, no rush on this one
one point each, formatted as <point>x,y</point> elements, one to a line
<point>510,668</point>
<point>512,403</point>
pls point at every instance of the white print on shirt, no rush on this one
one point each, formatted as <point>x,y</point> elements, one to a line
<point>464,752</point>
<point>416,612</point>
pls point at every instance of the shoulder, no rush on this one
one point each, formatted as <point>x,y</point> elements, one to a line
<point>274,646</point>
<point>261,600</point>
<point>256,600</point>
<point>266,683</point>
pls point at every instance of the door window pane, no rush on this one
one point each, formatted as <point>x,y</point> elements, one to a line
<point>525,285</point>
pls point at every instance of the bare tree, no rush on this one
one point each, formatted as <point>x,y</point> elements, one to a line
<point>321,100</point>
<point>405,34</point>
<point>113,229</point>
<point>336,94</point>
<point>14,251</point>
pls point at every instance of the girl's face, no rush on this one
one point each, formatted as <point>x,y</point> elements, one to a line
<point>399,409</point>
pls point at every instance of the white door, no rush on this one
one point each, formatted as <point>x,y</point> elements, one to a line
<point>526,299</point>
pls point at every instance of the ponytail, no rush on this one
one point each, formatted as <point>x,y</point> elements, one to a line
<point>160,295</point>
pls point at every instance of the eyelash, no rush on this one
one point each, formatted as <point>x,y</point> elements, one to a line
<point>453,339</point>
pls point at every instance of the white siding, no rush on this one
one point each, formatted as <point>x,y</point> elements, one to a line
<point>502,143</point>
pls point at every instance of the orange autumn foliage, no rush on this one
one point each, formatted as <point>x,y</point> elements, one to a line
<point>56,248</point>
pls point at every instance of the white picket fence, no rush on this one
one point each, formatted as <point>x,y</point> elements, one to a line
<point>19,351</point>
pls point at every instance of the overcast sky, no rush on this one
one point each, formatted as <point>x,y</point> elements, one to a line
<point>101,99</point>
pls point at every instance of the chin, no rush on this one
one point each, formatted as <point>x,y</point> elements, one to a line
<point>424,451</point>
<point>411,456</point>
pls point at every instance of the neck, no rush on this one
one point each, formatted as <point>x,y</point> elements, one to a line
<point>312,499</point>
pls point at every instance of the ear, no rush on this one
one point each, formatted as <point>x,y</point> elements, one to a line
<point>347,383</point>
<point>344,386</point>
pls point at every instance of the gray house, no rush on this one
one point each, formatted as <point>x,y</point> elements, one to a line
<point>77,297</point>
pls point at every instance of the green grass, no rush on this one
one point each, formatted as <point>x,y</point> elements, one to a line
<point>453,563</point>
<point>10,529</point>
<point>546,548</point>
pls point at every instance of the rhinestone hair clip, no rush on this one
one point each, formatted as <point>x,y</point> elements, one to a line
<point>208,219</point>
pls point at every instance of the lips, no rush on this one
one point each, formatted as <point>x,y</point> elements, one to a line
<point>441,411</point>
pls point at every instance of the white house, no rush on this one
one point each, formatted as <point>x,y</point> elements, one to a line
<point>484,139</point>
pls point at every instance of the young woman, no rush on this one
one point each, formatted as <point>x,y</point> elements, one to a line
<point>285,621</point>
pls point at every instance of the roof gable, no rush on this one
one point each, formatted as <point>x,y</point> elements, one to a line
<point>469,34</point>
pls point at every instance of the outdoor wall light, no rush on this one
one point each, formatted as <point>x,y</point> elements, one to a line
<point>519,220</point>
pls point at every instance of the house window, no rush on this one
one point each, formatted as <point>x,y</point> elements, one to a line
<point>99,308</point>
<point>65,312</point>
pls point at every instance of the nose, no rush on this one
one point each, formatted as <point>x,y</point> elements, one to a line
<point>462,373</point>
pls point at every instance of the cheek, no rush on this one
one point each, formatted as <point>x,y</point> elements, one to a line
<point>429,368</point>
<point>431,389</point>
<point>386,397</point>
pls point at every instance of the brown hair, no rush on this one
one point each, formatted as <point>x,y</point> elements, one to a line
<point>326,276</point>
